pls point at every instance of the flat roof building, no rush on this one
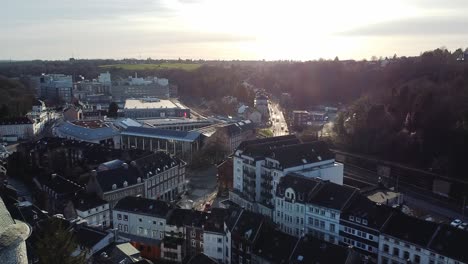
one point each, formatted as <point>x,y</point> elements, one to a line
<point>154,108</point>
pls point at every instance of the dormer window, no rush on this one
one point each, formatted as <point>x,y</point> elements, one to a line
<point>125,184</point>
<point>364,221</point>
<point>358,219</point>
<point>138,180</point>
<point>351,218</point>
<point>114,186</point>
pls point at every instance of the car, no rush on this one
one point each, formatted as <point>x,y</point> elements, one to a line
<point>456,222</point>
<point>463,226</point>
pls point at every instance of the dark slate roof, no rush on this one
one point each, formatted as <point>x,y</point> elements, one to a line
<point>88,236</point>
<point>332,195</point>
<point>186,217</point>
<point>27,213</point>
<point>84,133</point>
<point>247,225</point>
<point>451,242</point>
<point>155,163</point>
<point>85,201</point>
<point>236,128</point>
<point>410,229</point>
<point>215,221</point>
<point>60,184</point>
<point>298,183</point>
<point>143,206</point>
<point>201,259</point>
<point>273,245</point>
<point>375,214</point>
<point>112,164</point>
<point>247,143</point>
<point>107,178</point>
<point>189,136</point>
<point>296,155</point>
<point>313,250</point>
<point>15,121</point>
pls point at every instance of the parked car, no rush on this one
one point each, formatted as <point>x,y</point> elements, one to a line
<point>463,226</point>
<point>456,222</point>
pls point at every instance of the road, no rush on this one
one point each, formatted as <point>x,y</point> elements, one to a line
<point>278,123</point>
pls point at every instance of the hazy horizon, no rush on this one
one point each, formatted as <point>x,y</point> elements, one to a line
<point>226,30</point>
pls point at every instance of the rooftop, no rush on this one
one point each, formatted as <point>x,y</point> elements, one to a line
<point>215,220</point>
<point>201,259</point>
<point>361,207</point>
<point>298,183</point>
<point>84,202</point>
<point>60,184</point>
<point>332,195</point>
<point>118,176</point>
<point>413,230</point>
<point>188,136</point>
<point>89,236</point>
<point>138,205</point>
<point>269,241</point>
<point>90,123</point>
<point>300,154</point>
<point>450,242</point>
<point>247,225</point>
<point>86,133</point>
<point>180,217</point>
<point>15,121</point>
<point>247,143</point>
<point>149,103</point>
<point>312,250</point>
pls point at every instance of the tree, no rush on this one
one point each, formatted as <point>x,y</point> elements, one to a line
<point>56,245</point>
<point>113,108</point>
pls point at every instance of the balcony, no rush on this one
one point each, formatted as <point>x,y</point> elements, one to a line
<point>267,177</point>
<point>249,174</point>
<point>266,185</point>
<point>266,195</point>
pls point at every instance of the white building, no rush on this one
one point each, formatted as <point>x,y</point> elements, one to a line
<point>94,210</point>
<point>154,108</point>
<point>93,131</point>
<point>20,127</point>
<point>214,237</point>
<point>261,103</point>
<point>260,164</point>
<point>105,78</point>
<point>309,205</point>
<point>140,217</point>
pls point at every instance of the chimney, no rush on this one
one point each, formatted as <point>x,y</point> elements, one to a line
<point>125,165</point>
<point>54,175</point>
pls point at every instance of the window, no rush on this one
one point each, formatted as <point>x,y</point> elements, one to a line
<point>369,248</point>
<point>154,222</point>
<point>396,251</point>
<point>351,218</point>
<point>406,255</point>
<point>358,219</point>
<point>220,240</point>
<point>247,249</point>
<point>322,212</point>
<point>140,230</point>
<point>322,224</point>
<point>192,234</point>
<point>316,210</point>
<point>220,250</point>
<point>119,217</point>
<point>126,228</point>
<point>417,259</point>
<point>311,220</point>
<point>193,243</point>
<point>371,237</point>
<point>125,217</point>
<point>120,227</point>
<point>386,249</point>
<point>332,227</point>
<point>316,222</point>
<point>333,215</point>
<point>140,220</point>
<point>364,221</point>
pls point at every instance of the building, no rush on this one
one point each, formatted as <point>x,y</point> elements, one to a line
<point>180,124</point>
<point>273,246</point>
<point>230,135</point>
<point>324,209</point>
<point>448,245</point>
<point>260,164</point>
<point>19,127</point>
<point>56,87</point>
<point>119,253</point>
<point>164,176</point>
<point>261,104</point>
<point>91,239</point>
<point>175,245</point>
<point>291,198</point>
<point>154,108</point>
<point>114,183</point>
<point>13,234</point>
<point>242,228</point>
<point>306,118</point>
<point>141,222</point>
<point>141,87</point>
<point>225,176</point>
<point>182,144</point>
<point>214,236</point>
<point>360,224</point>
<point>92,131</point>
<point>59,192</point>
<point>404,238</point>
<point>94,210</point>
<point>300,118</point>
<point>201,259</point>
<point>72,113</point>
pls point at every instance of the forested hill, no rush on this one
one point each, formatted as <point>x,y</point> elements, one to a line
<point>15,99</point>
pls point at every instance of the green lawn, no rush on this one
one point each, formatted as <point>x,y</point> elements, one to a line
<point>164,65</point>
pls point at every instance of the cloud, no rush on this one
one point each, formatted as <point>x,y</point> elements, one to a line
<point>457,25</point>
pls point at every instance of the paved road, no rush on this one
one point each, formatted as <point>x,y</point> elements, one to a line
<point>278,123</point>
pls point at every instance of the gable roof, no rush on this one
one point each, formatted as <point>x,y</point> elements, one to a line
<point>451,242</point>
<point>88,236</point>
<point>298,183</point>
<point>84,133</point>
<point>86,201</point>
<point>247,225</point>
<point>188,136</point>
<point>201,259</point>
<point>138,205</point>
<point>313,250</point>
<point>60,184</point>
<point>118,176</point>
<point>186,217</point>
<point>273,245</point>
<point>332,195</point>
<point>375,214</point>
<point>411,229</point>
<point>300,154</point>
<point>247,143</point>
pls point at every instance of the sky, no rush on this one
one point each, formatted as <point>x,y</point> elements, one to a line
<point>229,29</point>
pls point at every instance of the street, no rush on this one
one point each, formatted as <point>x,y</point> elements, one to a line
<point>278,123</point>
